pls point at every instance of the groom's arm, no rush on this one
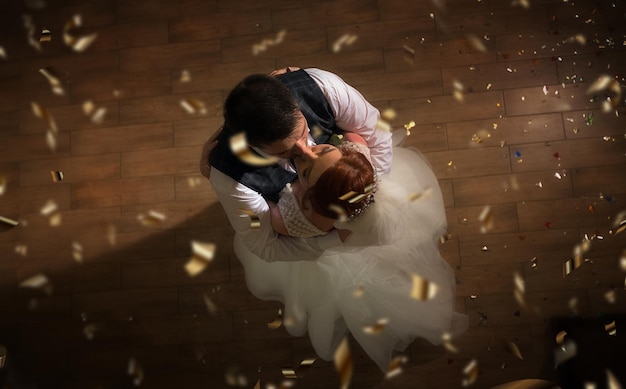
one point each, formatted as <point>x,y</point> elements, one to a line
<point>263,241</point>
<point>353,113</point>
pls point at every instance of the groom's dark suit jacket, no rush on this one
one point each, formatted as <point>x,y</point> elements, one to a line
<point>270,180</point>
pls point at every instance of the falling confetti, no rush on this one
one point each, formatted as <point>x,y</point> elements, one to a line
<point>57,176</point>
<point>111,234</point>
<point>447,342</point>
<point>423,289</point>
<point>255,222</point>
<point>360,290</point>
<point>30,32</point>
<point>239,147</point>
<point>77,252</point>
<point>202,256</point>
<point>395,366</point>
<point>611,88</point>
<point>192,106</point>
<point>342,215</point>
<point>619,223</point>
<point>343,41</point>
<point>135,371</point>
<point>96,115</point>
<point>7,223</point>
<point>486,219</point>
<point>571,265</point>
<point>3,184</point>
<point>565,351</point>
<point>152,218</point>
<point>54,81</point>
<point>79,44</point>
<point>209,304</point>
<point>261,47</point>
<point>610,328</point>
<point>277,322</point>
<point>457,91</point>
<point>376,328</point>
<point>43,113</point>
<point>38,281</point>
<point>301,370</point>
<point>612,381</point>
<point>21,249</point>
<point>470,373</point>
<point>185,76</point>
<point>420,195</point>
<point>51,210</point>
<point>514,349</point>
<point>46,35</point>
<point>343,363</point>
<point>476,43</point>
<point>89,330</point>
<point>409,54</point>
<point>3,53</point>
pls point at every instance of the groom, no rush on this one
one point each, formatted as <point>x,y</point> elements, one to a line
<point>282,115</point>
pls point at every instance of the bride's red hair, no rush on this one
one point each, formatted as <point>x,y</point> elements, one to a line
<point>353,172</point>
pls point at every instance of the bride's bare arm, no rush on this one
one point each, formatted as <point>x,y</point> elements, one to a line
<point>278,224</point>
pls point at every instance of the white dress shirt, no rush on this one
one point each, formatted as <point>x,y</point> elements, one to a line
<point>352,114</point>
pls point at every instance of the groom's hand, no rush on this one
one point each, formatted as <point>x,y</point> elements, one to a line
<point>209,145</point>
<point>288,69</point>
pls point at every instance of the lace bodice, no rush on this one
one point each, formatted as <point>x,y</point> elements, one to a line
<point>295,221</point>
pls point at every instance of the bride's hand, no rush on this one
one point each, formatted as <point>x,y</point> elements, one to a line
<point>288,69</point>
<point>209,145</point>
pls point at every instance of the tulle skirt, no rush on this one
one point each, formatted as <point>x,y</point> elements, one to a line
<point>372,291</point>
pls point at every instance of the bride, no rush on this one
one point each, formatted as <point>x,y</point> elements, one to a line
<point>371,285</point>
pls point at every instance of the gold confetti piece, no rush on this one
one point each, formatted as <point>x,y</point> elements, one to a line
<point>30,31</point>
<point>21,249</point>
<point>89,330</point>
<point>3,184</point>
<point>409,54</point>
<point>395,366</point>
<point>447,342</point>
<point>300,371</point>
<point>533,263</point>
<point>376,328</point>
<point>612,381</point>
<point>408,127</point>
<point>605,84</point>
<point>444,238</point>
<point>234,378</point>
<point>202,255</point>
<point>388,114</point>
<point>112,234</point>
<point>358,292</point>
<point>560,337</point>
<point>261,47</point>
<point>486,219</point>
<point>341,213</point>
<point>38,281</point>
<point>51,140</point>
<point>519,290</point>
<point>135,371</point>
<point>257,385</point>
<point>457,91</point>
<point>343,363</point>
<point>152,218</point>
<point>193,181</point>
<point>423,289</point>
<point>470,373</point>
<point>49,208</point>
<point>277,322</point>
<point>566,351</point>
<point>476,43</point>
<point>571,265</point>
<point>610,328</point>
<point>46,35</point>
<point>55,84</point>
<point>3,53</point>
<point>619,223</point>
<point>77,252</point>
<point>209,304</point>
<point>420,195</point>
<point>43,113</point>
<point>255,222</point>
<point>610,296</point>
<point>529,383</point>
<point>192,106</point>
<point>3,355</point>
<point>79,44</point>
<point>57,176</point>
<point>342,41</point>
<point>185,76</point>
<point>514,349</point>
<point>7,223</point>
<point>239,147</point>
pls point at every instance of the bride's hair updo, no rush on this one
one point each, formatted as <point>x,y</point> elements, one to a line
<point>345,189</point>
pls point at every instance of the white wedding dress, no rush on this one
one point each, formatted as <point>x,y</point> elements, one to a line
<point>369,279</point>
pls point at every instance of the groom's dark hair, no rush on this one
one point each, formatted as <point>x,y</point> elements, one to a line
<point>262,107</point>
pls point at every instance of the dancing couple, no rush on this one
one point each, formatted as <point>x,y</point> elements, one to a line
<point>339,239</point>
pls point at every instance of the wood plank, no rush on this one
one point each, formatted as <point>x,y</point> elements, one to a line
<point>75,169</point>
<point>252,325</point>
<point>571,154</point>
<point>170,273</point>
<point>33,198</point>
<point>86,64</point>
<point>194,187</point>
<point>125,35</point>
<point>496,189</point>
<point>344,63</point>
<point>299,42</point>
<point>122,138</point>
<point>593,124</point>
<point>221,24</point>
<point>437,109</point>
<point>563,213</point>
<point>189,214</point>
<point>532,100</point>
<point>519,247</point>
<point>511,130</point>
<point>498,76</point>
<point>96,277</point>
<point>121,305</point>
<point>135,10</point>
<point>112,193</point>
<point>169,56</point>
<point>227,296</point>
<point>393,86</point>
<point>592,181</point>
<point>32,147</point>
<point>426,137</point>
<point>69,117</point>
<point>463,221</point>
<point>195,131</point>
<point>115,85</point>
<point>467,163</point>
<point>486,279</point>
<point>324,14</point>
<point>160,162</point>
<point>166,108</point>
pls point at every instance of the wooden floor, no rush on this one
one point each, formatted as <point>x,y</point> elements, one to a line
<point>498,92</point>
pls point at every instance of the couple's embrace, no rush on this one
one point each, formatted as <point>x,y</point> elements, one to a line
<point>339,240</point>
